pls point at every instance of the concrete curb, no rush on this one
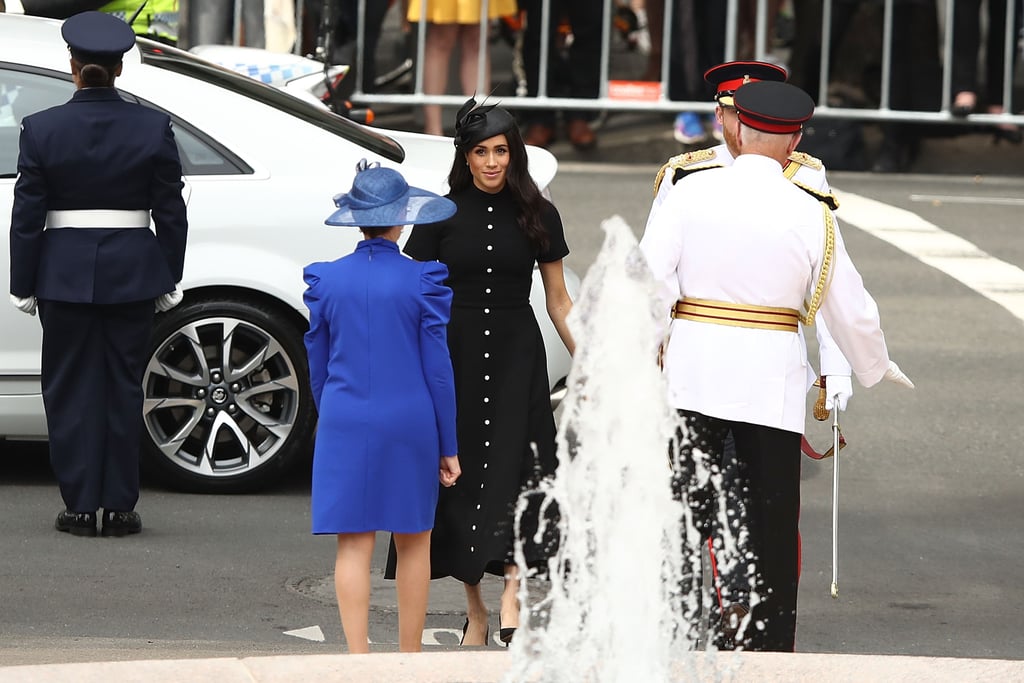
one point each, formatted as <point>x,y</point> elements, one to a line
<point>491,667</point>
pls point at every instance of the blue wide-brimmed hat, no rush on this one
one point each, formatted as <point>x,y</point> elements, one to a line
<point>380,198</point>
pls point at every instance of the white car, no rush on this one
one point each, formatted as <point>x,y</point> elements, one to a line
<point>227,402</point>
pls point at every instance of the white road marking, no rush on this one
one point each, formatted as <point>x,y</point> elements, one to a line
<point>996,280</point>
<point>430,636</point>
<point>954,199</point>
<point>309,633</point>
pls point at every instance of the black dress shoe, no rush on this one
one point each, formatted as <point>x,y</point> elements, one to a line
<point>1011,134</point>
<point>76,523</point>
<point>118,523</point>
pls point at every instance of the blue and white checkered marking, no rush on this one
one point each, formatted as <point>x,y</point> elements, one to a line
<point>273,74</point>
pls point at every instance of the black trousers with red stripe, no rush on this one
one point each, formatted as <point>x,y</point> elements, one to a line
<point>762,500</point>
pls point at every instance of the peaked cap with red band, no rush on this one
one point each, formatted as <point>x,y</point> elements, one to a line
<point>729,76</point>
<point>773,107</point>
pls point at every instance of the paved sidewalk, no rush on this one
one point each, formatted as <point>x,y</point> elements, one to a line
<point>491,667</point>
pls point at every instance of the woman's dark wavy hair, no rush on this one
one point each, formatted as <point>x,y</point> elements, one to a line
<point>517,176</point>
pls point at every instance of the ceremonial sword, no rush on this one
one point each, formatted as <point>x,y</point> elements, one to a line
<point>836,436</point>
<point>838,442</point>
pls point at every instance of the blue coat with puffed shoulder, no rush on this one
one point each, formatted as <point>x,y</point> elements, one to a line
<point>97,152</point>
<point>382,381</point>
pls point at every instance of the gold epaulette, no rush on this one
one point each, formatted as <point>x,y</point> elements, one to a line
<point>680,162</point>
<point>823,197</point>
<point>807,160</point>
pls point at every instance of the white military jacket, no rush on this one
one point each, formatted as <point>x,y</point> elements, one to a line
<point>745,234</point>
<point>807,172</point>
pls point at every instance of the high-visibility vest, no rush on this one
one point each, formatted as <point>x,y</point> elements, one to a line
<point>158,18</point>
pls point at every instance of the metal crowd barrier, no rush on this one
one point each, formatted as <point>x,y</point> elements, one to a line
<point>884,112</point>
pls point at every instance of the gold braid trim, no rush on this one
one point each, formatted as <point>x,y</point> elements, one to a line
<point>661,174</point>
<point>825,276</point>
<point>805,159</point>
<point>826,197</point>
<point>681,161</point>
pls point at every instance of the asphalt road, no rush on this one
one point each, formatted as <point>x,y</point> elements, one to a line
<point>932,487</point>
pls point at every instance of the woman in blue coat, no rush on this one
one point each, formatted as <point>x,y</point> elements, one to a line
<point>382,382</point>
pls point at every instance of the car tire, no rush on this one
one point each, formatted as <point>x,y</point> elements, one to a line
<point>227,406</point>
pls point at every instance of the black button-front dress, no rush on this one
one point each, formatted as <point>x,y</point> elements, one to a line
<point>501,381</point>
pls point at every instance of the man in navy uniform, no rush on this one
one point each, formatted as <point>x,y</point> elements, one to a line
<point>736,280</point>
<point>92,174</point>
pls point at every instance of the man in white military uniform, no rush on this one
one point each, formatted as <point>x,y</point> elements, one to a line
<point>736,282</point>
<point>807,173</point>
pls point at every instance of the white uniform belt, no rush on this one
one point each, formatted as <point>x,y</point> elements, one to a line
<point>97,218</point>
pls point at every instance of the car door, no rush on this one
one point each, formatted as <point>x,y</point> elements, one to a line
<point>22,92</point>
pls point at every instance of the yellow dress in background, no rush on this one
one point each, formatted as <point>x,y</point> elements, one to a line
<point>460,11</point>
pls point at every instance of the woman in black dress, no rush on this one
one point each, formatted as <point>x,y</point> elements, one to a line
<point>506,431</point>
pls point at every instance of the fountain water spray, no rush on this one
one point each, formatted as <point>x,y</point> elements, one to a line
<point>612,613</point>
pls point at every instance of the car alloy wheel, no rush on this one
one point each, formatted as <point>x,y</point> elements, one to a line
<point>227,405</point>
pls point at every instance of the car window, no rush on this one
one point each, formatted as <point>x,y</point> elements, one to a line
<point>23,93</point>
<point>179,61</point>
<point>199,153</point>
<point>26,92</point>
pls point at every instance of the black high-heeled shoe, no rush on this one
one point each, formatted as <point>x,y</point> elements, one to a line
<point>505,634</point>
<point>487,634</point>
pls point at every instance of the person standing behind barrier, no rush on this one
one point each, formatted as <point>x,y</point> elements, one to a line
<point>698,42</point>
<point>506,429</point>
<point>735,282</point>
<point>91,174</point>
<point>382,382</point>
<point>966,39</point>
<point>808,174</point>
<point>212,22</point>
<point>915,78</point>
<point>576,74</point>
<point>448,22</point>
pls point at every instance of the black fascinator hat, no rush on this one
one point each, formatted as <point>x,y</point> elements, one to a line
<point>475,123</point>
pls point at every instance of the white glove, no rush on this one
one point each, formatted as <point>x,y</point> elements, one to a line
<point>25,305</point>
<point>894,374</point>
<point>838,390</point>
<point>166,302</point>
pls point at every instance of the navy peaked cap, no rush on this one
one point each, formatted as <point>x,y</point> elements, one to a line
<point>96,37</point>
